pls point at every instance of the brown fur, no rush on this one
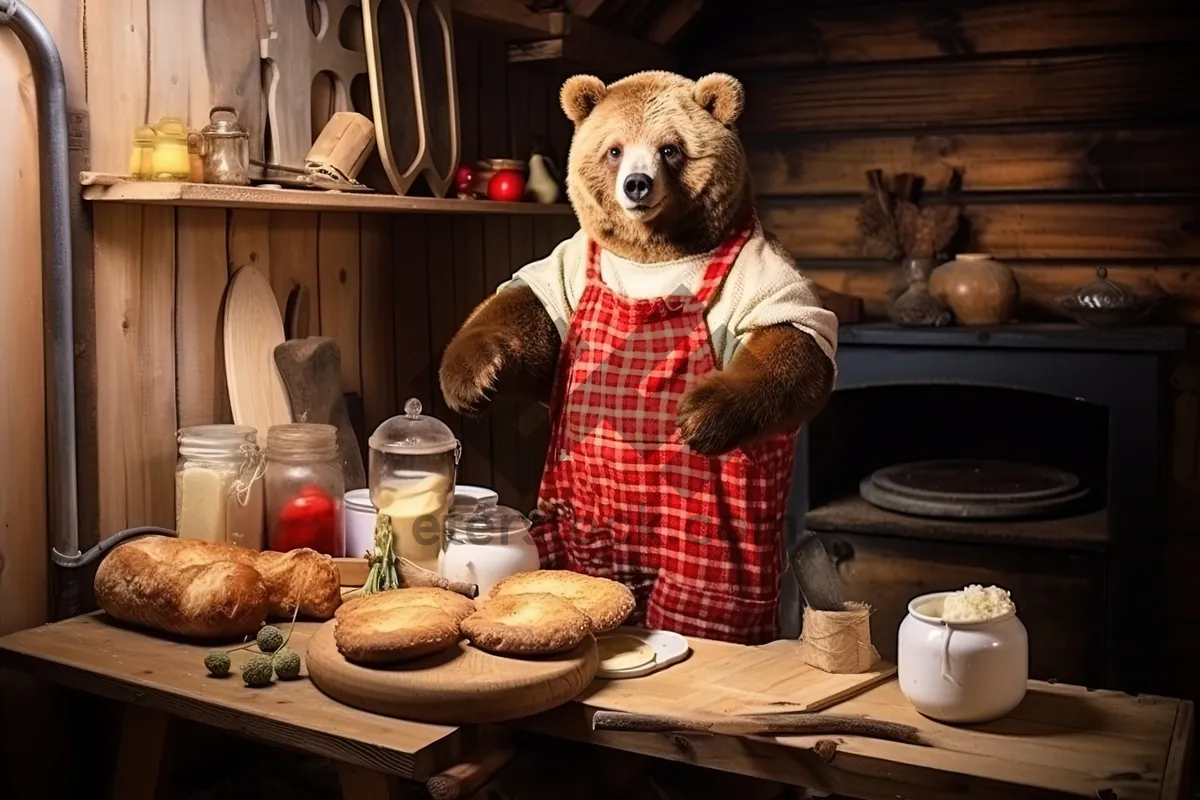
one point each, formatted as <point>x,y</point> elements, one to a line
<point>507,344</point>
<point>779,380</point>
<point>706,192</point>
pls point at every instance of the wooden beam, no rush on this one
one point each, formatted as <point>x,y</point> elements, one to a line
<point>586,45</point>
<point>1122,160</point>
<point>919,30</point>
<point>1018,228</point>
<point>1113,85</point>
<point>584,8</point>
<point>513,19</point>
<point>671,21</point>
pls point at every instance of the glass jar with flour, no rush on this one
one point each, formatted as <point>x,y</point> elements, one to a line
<point>413,465</point>
<point>219,486</point>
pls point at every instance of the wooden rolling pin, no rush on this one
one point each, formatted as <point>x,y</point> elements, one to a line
<point>758,725</point>
<point>465,777</point>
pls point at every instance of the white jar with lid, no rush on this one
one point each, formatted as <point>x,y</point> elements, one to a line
<point>486,544</point>
<point>413,464</point>
<point>961,672</point>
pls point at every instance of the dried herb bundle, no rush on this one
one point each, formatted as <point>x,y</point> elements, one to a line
<point>895,224</point>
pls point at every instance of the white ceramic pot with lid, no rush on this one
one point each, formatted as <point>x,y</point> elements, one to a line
<point>413,465</point>
<point>486,544</point>
<point>961,672</point>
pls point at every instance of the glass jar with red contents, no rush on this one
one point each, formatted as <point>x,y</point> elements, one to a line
<point>305,489</point>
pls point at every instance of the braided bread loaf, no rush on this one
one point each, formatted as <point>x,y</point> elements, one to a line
<point>206,590</point>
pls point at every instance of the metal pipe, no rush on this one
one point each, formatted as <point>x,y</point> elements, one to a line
<point>57,311</point>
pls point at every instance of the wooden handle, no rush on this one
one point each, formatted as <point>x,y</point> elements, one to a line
<point>464,778</point>
<point>757,724</point>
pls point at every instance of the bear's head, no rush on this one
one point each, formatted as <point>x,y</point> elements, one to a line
<point>656,170</point>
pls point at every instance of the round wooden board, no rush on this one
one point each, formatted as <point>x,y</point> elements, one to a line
<point>459,686</point>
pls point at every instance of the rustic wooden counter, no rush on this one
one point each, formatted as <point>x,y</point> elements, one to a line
<point>1062,742</point>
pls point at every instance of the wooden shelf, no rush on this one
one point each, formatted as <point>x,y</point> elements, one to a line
<point>214,196</point>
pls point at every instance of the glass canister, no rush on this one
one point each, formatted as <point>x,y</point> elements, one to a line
<point>141,157</point>
<point>486,544</point>
<point>219,486</point>
<point>305,489</point>
<point>226,148</point>
<point>171,161</point>
<point>413,465</point>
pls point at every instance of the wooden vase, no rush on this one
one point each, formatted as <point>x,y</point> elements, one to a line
<point>978,289</point>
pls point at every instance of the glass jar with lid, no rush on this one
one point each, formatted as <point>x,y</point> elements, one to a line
<point>170,160</point>
<point>413,466</point>
<point>226,148</point>
<point>219,486</point>
<point>305,489</point>
<point>486,544</point>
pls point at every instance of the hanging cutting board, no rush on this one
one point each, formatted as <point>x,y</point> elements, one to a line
<point>459,686</point>
<point>231,50</point>
<point>296,55</point>
<point>253,328</point>
<point>414,91</point>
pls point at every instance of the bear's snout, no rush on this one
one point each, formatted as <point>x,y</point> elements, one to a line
<point>638,186</point>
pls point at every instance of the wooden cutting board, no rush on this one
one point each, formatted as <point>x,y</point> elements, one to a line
<point>723,678</point>
<point>253,329</point>
<point>459,686</point>
<point>297,55</point>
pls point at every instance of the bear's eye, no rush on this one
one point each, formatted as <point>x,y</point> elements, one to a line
<point>669,151</point>
<point>614,152</point>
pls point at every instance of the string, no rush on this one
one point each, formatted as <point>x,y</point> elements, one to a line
<point>255,459</point>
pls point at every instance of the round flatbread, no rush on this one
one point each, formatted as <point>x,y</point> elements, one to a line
<point>621,652</point>
<point>394,634</point>
<point>527,624</point>
<point>606,603</point>
<point>454,604</point>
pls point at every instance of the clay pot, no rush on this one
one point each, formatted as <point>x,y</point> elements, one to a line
<point>978,289</point>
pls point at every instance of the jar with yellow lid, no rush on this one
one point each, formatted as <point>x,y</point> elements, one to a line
<point>171,160</point>
<point>141,157</point>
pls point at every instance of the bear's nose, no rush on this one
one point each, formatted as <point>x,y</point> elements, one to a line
<point>637,186</point>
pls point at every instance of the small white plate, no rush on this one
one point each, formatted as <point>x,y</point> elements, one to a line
<point>669,648</point>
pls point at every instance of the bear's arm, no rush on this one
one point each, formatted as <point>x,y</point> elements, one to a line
<point>779,380</point>
<point>508,344</point>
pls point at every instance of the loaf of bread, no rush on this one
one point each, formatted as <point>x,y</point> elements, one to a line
<point>200,589</point>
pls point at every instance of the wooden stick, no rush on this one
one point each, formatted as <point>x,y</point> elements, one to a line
<point>465,777</point>
<point>757,725</point>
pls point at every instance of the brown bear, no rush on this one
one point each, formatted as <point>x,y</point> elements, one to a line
<point>679,349</point>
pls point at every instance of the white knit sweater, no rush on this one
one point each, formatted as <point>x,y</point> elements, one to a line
<point>761,289</point>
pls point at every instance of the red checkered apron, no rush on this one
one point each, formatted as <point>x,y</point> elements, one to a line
<point>698,539</point>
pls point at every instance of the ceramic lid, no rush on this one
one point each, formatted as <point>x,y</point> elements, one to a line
<point>486,521</point>
<point>412,433</point>
<point>470,496</point>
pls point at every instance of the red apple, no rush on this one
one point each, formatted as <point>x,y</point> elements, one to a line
<point>462,179</point>
<point>507,185</point>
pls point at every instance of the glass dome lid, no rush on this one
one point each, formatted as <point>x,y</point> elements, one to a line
<point>413,433</point>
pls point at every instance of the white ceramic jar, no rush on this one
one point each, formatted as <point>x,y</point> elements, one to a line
<point>961,672</point>
<point>486,544</point>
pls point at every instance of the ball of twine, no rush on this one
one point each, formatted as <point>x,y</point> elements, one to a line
<point>839,641</point>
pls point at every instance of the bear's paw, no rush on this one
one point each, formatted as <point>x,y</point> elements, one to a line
<point>471,368</point>
<point>715,416</point>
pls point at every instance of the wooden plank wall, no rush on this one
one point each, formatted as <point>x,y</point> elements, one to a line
<point>1072,126</point>
<point>391,289</point>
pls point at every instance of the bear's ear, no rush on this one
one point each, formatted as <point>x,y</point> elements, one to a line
<point>720,95</point>
<point>579,96</point>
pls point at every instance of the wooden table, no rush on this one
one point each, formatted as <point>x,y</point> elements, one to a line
<point>1062,742</point>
